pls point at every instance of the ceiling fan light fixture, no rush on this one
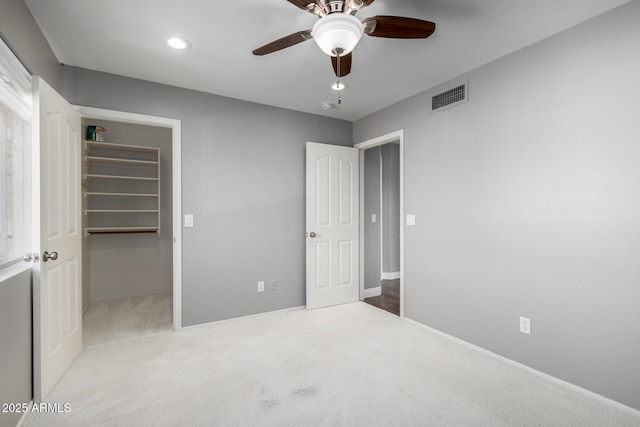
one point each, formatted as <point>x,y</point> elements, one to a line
<point>337,31</point>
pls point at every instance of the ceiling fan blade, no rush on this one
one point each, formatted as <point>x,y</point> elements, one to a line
<point>345,65</point>
<point>396,27</point>
<point>284,42</point>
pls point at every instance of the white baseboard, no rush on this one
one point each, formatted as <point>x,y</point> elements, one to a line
<point>233,319</point>
<point>84,310</point>
<point>391,275</point>
<point>372,292</point>
<point>531,370</point>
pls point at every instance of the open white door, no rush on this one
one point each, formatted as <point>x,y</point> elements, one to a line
<point>332,225</point>
<point>57,286</point>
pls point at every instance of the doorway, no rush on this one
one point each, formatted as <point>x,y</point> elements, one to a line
<point>382,232</point>
<point>127,238</point>
<point>152,302</point>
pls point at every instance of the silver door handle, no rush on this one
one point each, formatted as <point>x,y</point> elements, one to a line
<point>46,256</point>
<point>312,234</point>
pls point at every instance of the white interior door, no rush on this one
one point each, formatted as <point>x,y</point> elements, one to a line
<point>332,225</point>
<point>57,278</point>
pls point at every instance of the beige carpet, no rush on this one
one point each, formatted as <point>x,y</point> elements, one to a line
<point>351,365</point>
<point>121,319</point>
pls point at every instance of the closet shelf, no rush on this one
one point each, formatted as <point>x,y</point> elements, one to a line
<point>112,172</point>
<point>91,176</point>
<point>118,161</point>
<point>93,193</point>
<point>122,211</point>
<point>91,145</point>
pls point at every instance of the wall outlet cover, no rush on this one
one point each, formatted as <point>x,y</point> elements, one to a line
<point>260,286</point>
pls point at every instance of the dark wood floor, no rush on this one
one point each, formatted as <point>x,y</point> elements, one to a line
<point>390,298</point>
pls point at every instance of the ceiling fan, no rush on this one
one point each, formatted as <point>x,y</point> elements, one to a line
<point>338,31</point>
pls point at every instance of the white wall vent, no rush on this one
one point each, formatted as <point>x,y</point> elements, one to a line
<point>449,98</point>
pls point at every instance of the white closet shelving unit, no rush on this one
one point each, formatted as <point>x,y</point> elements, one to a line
<point>122,188</point>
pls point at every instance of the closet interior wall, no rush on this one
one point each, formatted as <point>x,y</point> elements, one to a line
<point>125,265</point>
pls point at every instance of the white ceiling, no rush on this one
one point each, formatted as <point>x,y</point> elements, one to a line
<point>129,38</point>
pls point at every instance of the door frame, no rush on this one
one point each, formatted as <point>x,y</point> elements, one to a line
<point>395,137</point>
<point>176,173</point>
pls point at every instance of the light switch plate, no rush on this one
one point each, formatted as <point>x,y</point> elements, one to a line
<point>374,218</point>
<point>188,220</point>
<point>411,220</point>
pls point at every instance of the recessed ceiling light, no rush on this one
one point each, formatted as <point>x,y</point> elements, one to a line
<point>178,43</point>
<point>339,86</point>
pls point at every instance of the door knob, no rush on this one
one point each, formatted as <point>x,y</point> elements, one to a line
<point>46,256</point>
<point>312,234</point>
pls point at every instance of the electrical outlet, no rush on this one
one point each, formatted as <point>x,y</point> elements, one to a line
<point>273,285</point>
<point>525,325</point>
<point>260,286</point>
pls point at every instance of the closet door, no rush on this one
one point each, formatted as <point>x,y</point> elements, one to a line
<point>58,276</point>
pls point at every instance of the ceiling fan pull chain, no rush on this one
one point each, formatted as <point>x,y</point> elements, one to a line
<point>338,51</point>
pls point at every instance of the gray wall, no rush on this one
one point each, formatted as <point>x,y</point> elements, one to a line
<point>20,31</point>
<point>242,179</point>
<point>123,265</point>
<point>372,235</point>
<point>15,343</point>
<point>526,202</point>
<point>391,206</point>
